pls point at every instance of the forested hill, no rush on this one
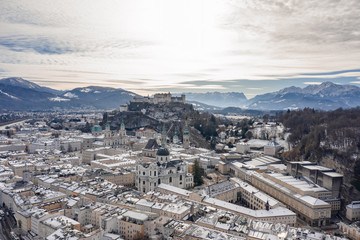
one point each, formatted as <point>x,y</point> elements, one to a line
<point>331,139</point>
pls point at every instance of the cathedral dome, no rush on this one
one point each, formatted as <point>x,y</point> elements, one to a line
<point>97,128</point>
<point>162,152</point>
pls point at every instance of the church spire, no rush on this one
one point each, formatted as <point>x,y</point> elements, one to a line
<point>186,130</point>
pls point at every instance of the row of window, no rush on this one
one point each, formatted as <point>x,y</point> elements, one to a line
<point>149,173</point>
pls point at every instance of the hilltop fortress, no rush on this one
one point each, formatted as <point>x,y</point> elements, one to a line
<point>160,98</point>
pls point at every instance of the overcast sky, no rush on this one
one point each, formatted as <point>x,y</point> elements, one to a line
<point>251,46</point>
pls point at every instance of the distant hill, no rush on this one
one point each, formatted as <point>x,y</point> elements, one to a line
<point>101,97</point>
<point>217,99</point>
<point>19,98</point>
<point>203,107</point>
<point>331,139</point>
<point>20,94</point>
<point>239,111</point>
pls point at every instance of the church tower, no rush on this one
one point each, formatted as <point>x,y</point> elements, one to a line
<point>107,135</point>
<point>107,130</point>
<point>163,136</point>
<point>122,131</point>
<point>175,138</point>
<point>186,137</point>
<point>26,174</point>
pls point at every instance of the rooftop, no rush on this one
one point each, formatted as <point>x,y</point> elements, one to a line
<point>136,215</point>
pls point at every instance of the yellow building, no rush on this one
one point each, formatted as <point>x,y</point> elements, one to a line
<point>131,225</point>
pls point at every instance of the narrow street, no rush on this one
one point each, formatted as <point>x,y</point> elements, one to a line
<point>7,224</point>
<point>3,232</point>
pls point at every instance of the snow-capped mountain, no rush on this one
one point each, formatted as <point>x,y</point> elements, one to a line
<point>101,97</point>
<point>20,82</point>
<point>325,96</point>
<point>20,94</point>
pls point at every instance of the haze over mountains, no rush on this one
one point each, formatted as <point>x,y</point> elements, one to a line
<point>20,94</point>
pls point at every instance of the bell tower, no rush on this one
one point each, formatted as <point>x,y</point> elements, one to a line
<point>186,137</point>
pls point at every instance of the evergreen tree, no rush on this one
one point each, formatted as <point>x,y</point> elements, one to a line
<point>197,174</point>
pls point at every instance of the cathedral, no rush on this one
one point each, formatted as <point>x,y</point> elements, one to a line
<point>105,138</point>
<point>163,169</point>
<point>115,139</point>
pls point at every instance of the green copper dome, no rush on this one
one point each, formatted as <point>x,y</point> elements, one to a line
<point>96,128</point>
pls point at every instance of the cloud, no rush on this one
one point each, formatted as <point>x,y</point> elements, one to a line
<point>254,88</point>
<point>156,44</point>
<point>40,45</point>
<point>312,83</point>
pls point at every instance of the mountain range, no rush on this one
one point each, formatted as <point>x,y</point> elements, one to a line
<point>20,94</point>
<point>325,96</point>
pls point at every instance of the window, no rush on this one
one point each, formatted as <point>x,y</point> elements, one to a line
<point>159,181</point>
<point>170,179</point>
<point>144,182</point>
<point>180,177</point>
<point>143,173</point>
<point>154,173</point>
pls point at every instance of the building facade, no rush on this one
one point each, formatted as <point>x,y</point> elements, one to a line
<point>162,170</point>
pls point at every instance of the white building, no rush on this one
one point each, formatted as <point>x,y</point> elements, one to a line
<point>353,211</point>
<point>163,170</point>
<point>272,148</point>
<point>242,147</point>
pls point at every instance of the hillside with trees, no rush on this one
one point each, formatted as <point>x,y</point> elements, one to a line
<point>331,139</point>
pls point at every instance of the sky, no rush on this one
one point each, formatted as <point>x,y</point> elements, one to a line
<point>148,46</point>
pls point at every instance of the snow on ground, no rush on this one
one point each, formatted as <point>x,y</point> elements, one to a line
<point>59,99</point>
<point>70,95</point>
<point>257,143</point>
<point>85,90</point>
<point>10,96</point>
